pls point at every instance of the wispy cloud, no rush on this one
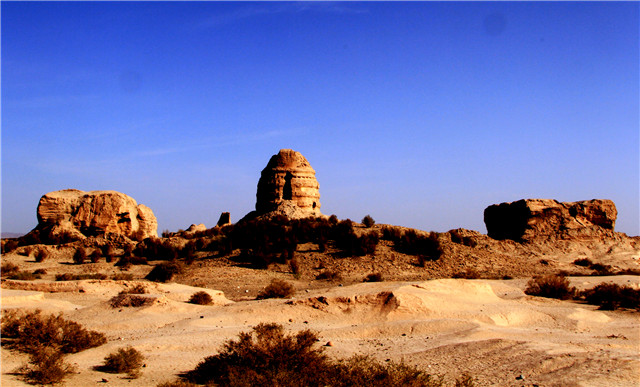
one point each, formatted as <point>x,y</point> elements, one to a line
<point>257,10</point>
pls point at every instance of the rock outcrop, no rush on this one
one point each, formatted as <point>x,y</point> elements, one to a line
<point>80,214</point>
<point>225,218</point>
<point>288,186</point>
<point>528,219</point>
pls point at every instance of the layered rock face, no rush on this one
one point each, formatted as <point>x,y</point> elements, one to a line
<point>288,186</point>
<point>532,218</point>
<point>81,214</point>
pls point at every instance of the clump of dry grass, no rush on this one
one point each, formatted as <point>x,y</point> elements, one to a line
<point>201,298</point>
<point>611,296</point>
<point>164,271</point>
<point>277,289</point>
<point>126,360</point>
<point>550,286</point>
<point>330,275</point>
<point>267,356</point>
<point>131,298</point>
<point>29,331</point>
<point>46,366</point>
<point>373,277</point>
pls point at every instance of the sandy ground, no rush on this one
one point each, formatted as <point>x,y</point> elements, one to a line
<point>487,328</point>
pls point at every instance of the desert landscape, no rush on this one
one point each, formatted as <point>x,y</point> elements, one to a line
<point>465,307</point>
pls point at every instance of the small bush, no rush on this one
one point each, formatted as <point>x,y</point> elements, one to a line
<point>373,277</point>
<point>95,256</point>
<point>9,245</point>
<point>125,360</point>
<point>122,277</point>
<point>77,277</point>
<point>79,256</point>
<point>29,331</point>
<point>612,296</point>
<point>586,262</point>
<point>23,276</point>
<point>368,221</point>
<point>47,366</point>
<point>601,270</point>
<point>9,268</point>
<point>330,275</point>
<point>39,272</point>
<point>550,286</point>
<point>126,300</point>
<point>201,298</point>
<point>164,271</point>
<point>41,255</point>
<point>269,357</point>
<point>276,289</point>
<point>391,233</point>
<point>294,265</point>
<point>469,273</point>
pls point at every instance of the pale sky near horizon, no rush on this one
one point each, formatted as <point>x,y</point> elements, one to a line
<point>420,114</point>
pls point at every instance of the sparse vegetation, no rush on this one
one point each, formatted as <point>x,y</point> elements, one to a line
<point>586,262</point>
<point>611,296</point>
<point>277,289</point>
<point>201,298</point>
<point>550,286</point>
<point>268,356</point>
<point>47,366</point>
<point>330,275</point>
<point>80,256</point>
<point>41,255</point>
<point>126,360</point>
<point>131,298</point>
<point>373,277</point>
<point>77,277</point>
<point>368,221</point>
<point>23,276</point>
<point>164,271</point>
<point>8,268</point>
<point>30,331</point>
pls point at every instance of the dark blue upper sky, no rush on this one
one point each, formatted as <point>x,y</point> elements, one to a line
<point>419,113</point>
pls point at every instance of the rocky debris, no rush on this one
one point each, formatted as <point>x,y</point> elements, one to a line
<point>79,214</point>
<point>225,218</point>
<point>288,187</point>
<point>529,219</point>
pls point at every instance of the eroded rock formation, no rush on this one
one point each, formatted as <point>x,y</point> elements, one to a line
<point>288,186</point>
<point>528,219</point>
<point>81,214</point>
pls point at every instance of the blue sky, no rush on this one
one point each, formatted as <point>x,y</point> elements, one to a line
<point>421,114</point>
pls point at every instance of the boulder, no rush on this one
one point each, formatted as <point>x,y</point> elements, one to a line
<point>288,186</point>
<point>196,227</point>
<point>80,214</point>
<point>528,219</point>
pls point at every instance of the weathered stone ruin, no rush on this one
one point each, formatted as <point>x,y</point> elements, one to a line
<point>528,219</point>
<point>288,186</point>
<point>78,214</point>
<point>225,218</point>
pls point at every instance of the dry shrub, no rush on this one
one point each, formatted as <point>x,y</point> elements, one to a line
<point>164,271</point>
<point>126,360</point>
<point>8,268</point>
<point>77,277</point>
<point>122,277</point>
<point>23,276</point>
<point>79,256</point>
<point>586,262</point>
<point>277,289</point>
<point>611,296</point>
<point>201,298</point>
<point>368,221</point>
<point>469,273</point>
<point>330,275</point>
<point>178,383</point>
<point>269,357</point>
<point>47,366</point>
<point>294,265</point>
<point>29,331</point>
<point>373,277</point>
<point>41,255</point>
<point>550,286</point>
<point>131,298</point>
